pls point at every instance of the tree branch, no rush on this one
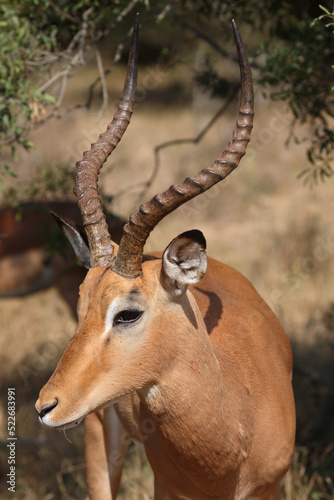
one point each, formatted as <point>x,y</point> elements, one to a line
<point>176,142</point>
<point>203,36</point>
<point>103,82</point>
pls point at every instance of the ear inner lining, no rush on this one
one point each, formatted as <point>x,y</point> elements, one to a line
<point>184,261</point>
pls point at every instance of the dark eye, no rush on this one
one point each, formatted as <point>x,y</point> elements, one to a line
<point>127,316</point>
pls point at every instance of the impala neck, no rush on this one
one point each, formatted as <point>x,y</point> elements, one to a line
<point>192,408</point>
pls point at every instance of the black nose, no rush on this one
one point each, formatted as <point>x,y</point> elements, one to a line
<point>47,408</point>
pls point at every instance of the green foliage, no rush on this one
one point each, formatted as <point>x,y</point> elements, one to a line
<point>297,68</point>
<point>292,62</point>
<point>209,79</point>
<point>292,57</point>
<point>328,16</point>
<point>52,182</point>
<point>19,98</point>
<point>34,34</point>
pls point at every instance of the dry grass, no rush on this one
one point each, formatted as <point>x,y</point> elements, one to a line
<point>262,220</point>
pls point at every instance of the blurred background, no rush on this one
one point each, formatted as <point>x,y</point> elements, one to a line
<point>62,73</point>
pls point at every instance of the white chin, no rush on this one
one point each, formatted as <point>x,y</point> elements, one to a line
<point>62,426</point>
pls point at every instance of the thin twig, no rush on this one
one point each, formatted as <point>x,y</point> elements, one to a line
<point>73,42</point>
<point>120,47</point>
<point>83,35</point>
<point>118,19</point>
<point>54,114</point>
<point>192,140</point>
<point>124,12</point>
<point>117,57</point>
<point>62,91</point>
<point>53,80</point>
<point>202,36</point>
<point>175,142</point>
<point>78,58</point>
<point>46,58</point>
<point>118,52</point>
<point>65,14</point>
<point>83,44</point>
<point>103,82</point>
<point>57,114</point>
<point>161,16</point>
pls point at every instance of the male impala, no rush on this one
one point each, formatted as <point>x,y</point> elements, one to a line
<point>201,375</point>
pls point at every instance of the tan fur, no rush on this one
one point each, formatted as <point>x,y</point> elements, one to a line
<point>204,380</point>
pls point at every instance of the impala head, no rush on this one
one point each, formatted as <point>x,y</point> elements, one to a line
<point>130,304</point>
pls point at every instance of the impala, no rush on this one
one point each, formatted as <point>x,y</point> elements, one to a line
<point>200,373</point>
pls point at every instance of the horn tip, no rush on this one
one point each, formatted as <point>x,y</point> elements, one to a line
<point>236,32</point>
<point>136,23</point>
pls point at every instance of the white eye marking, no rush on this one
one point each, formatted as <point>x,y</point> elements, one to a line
<point>112,309</point>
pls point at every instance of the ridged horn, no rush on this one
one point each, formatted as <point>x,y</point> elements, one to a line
<point>128,262</point>
<point>87,170</point>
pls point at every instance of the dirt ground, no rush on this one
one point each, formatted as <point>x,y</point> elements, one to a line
<point>261,220</point>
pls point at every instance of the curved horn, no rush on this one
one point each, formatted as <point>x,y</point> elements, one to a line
<point>86,185</point>
<point>128,262</point>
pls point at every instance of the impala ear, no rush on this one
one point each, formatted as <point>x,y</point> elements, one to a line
<point>78,239</point>
<point>184,262</point>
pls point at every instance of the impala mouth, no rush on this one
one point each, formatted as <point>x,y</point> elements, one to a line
<point>61,426</point>
<point>45,417</point>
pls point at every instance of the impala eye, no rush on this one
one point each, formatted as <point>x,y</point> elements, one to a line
<point>127,316</point>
